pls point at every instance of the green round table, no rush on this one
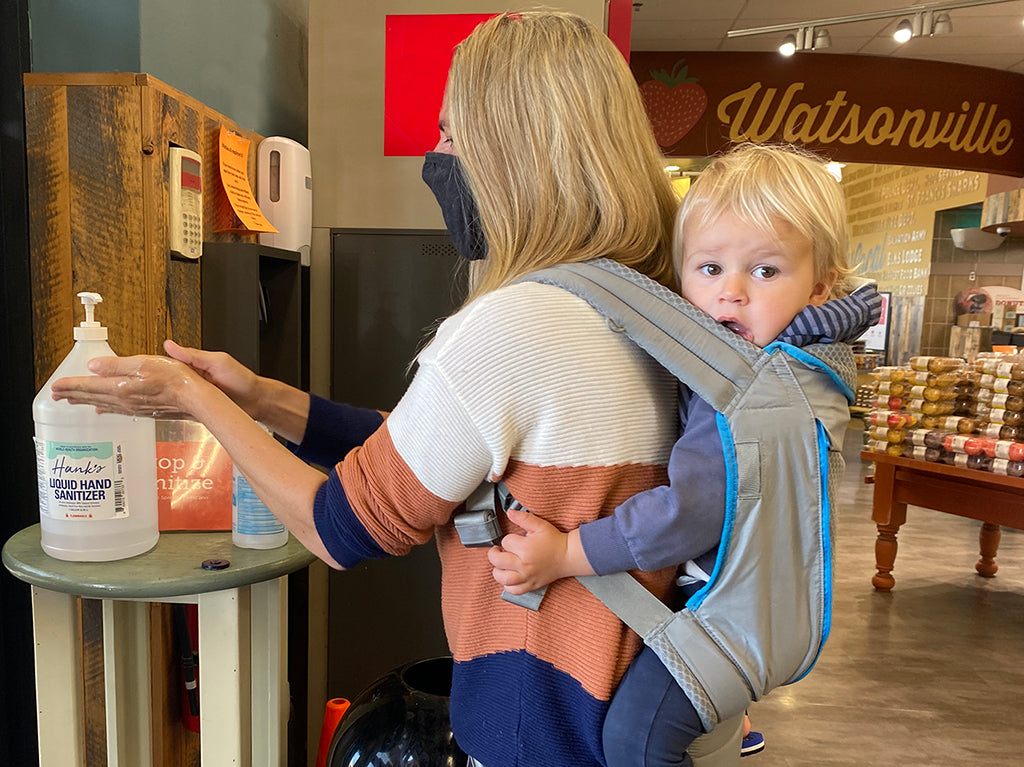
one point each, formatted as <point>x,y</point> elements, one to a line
<point>242,644</point>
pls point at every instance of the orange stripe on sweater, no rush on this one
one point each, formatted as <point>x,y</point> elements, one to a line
<point>388,499</point>
<point>573,630</point>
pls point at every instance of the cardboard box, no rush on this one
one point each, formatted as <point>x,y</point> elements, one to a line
<point>193,478</point>
<point>967,342</point>
<point>974,320</point>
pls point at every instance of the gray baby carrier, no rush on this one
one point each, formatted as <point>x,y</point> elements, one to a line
<point>764,615</point>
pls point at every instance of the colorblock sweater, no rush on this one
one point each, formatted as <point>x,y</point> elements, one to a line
<point>530,385</point>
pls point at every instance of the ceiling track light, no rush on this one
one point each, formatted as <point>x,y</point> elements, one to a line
<point>904,31</point>
<point>805,39</point>
<point>943,25</point>
<point>917,20</point>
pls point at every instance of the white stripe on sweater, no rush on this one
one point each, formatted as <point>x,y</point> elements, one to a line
<point>533,373</point>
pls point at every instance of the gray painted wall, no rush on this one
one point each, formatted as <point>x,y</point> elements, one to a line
<point>244,58</point>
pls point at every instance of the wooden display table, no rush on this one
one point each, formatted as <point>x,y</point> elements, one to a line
<point>243,638</point>
<point>993,499</point>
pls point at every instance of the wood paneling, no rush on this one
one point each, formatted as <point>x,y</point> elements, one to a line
<point>97,150</point>
<point>97,165</point>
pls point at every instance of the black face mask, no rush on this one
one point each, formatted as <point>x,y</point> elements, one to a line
<point>441,172</point>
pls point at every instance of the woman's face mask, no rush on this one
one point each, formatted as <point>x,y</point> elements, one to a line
<point>441,172</point>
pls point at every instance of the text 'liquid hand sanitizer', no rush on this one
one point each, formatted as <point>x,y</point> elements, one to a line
<point>96,471</point>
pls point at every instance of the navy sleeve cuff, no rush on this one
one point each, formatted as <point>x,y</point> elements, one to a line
<point>333,429</point>
<point>344,537</point>
<point>605,547</point>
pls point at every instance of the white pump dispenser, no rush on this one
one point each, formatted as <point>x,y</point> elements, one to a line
<point>96,471</point>
<point>90,330</point>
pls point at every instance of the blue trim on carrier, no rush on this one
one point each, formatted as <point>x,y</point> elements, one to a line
<point>826,546</point>
<point>813,362</point>
<point>731,500</point>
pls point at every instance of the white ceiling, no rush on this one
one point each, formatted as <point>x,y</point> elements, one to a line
<point>985,36</point>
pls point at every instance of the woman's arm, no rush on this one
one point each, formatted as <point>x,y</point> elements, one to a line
<point>280,407</point>
<point>151,386</point>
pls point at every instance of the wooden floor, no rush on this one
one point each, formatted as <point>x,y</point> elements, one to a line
<point>929,674</point>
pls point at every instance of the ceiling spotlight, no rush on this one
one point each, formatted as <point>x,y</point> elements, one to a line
<point>835,169</point>
<point>788,47</point>
<point>822,39</point>
<point>904,31</point>
<point>943,25</point>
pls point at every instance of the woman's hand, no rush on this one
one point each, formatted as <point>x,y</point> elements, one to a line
<point>225,372</point>
<point>544,554</point>
<point>143,385</point>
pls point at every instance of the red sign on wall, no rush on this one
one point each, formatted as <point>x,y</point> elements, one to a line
<point>418,52</point>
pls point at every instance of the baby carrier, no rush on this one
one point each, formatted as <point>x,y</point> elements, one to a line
<point>762,618</point>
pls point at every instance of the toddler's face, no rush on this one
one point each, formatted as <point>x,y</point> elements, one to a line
<point>751,282</point>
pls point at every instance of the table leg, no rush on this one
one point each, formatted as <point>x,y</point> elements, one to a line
<point>224,684</point>
<point>126,669</point>
<point>988,545</point>
<point>888,515</point>
<point>270,673</point>
<point>59,716</point>
<point>885,556</point>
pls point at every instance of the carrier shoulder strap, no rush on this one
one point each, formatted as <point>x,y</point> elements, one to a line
<point>712,360</point>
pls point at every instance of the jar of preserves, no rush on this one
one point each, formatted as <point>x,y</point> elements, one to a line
<point>942,380</point>
<point>893,388</point>
<point>1014,370</point>
<point>885,434</point>
<point>969,425</point>
<point>937,393</point>
<point>979,462</point>
<point>1009,468</point>
<point>947,407</point>
<point>1008,386</point>
<point>1008,401</point>
<point>963,443</point>
<point>1015,433</point>
<point>936,438</point>
<point>1006,417</point>
<point>916,452</point>
<point>980,409</point>
<point>1007,450</point>
<point>885,402</point>
<point>991,430</point>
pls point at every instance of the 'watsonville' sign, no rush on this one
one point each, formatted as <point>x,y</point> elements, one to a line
<point>848,108</point>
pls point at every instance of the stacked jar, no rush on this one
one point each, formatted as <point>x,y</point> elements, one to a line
<point>918,406</point>
<point>889,422</point>
<point>1001,391</point>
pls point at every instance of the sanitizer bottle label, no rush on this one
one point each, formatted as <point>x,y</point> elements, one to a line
<point>82,481</point>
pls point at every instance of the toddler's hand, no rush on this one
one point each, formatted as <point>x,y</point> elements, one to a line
<point>526,562</point>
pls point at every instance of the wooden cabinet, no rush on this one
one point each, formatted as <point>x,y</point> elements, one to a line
<point>97,149</point>
<point>97,160</point>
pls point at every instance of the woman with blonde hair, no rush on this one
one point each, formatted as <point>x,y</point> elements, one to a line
<point>553,162</point>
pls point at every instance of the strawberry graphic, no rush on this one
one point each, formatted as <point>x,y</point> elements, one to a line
<point>674,103</point>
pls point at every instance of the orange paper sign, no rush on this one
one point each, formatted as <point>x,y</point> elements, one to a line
<point>234,176</point>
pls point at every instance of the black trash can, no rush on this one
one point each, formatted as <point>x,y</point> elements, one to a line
<point>401,719</point>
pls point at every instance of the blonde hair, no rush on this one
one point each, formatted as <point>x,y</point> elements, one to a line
<point>763,184</point>
<point>551,133</point>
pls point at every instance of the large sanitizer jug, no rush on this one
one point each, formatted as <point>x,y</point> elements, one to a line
<point>97,471</point>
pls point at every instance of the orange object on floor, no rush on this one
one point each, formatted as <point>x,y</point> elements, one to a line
<point>336,707</point>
